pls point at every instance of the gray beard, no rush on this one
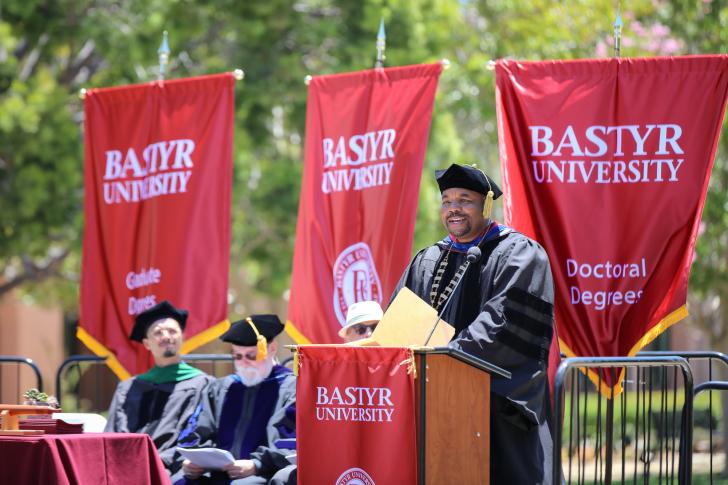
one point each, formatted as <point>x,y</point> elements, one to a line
<point>251,377</point>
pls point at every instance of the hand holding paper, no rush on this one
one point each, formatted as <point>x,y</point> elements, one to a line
<point>207,458</point>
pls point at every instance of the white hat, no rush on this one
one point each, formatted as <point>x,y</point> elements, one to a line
<point>361,312</point>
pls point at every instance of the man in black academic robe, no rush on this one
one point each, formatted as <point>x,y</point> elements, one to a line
<point>251,414</point>
<point>162,400</point>
<point>502,312</point>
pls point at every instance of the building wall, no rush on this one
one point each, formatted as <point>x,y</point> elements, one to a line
<point>684,336</point>
<point>30,331</point>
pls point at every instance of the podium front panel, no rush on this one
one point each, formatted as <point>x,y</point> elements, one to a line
<point>453,421</point>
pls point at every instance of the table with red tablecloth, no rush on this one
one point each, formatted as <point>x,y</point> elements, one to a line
<point>93,458</point>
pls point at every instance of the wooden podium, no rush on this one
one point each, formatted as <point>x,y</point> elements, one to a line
<point>452,394</point>
<point>452,399</point>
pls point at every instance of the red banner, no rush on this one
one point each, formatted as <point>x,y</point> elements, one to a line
<point>366,135</point>
<point>158,172</point>
<point>355,415</point>
<point>606,163</point>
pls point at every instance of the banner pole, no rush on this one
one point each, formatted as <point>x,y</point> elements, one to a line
<point>163,52</point>
<point>381,45</point>
<point>618,32</point>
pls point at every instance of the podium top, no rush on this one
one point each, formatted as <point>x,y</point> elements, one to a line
<point>464,357</point>
<point>467,359</point>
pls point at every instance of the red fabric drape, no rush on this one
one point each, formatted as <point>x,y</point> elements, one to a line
<point>108,458</point>
<point>158,172</point>
<point>366,135</point>
<point>606,163</point>
<point>355,415</point>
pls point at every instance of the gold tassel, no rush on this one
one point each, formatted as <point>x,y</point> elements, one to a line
<point>410,363</point>
<point>488,205</point>
<point>296,362</point>
<point>262,342</point>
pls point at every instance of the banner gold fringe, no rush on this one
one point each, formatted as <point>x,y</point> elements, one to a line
<point>113,363</point>
<point>205,336</point>
<point>670,320</point>
<point>99,349</point>
<point>295,334</point>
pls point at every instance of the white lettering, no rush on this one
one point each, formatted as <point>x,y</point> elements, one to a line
<point>133,181</point>
<point>569,140</point>
<point>373,404</point>
<point>113,165</point>
<point>537,141</point>
<point>672,140</point>
<point>147,277</point>
<point>138,305</point>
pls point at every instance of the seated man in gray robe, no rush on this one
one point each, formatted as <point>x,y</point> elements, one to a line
<point>162,400</point>
<point>251,414</point>
<point>502,312</point>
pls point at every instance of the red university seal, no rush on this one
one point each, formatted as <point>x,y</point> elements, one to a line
<point>355,279</point>
<point>354,476</point>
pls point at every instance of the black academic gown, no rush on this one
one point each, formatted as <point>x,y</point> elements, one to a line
<point>503,313</point>
<point>248,422</point>
<point>159,410</point>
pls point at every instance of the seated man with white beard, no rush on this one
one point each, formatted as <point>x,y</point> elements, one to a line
<point>249,411</point>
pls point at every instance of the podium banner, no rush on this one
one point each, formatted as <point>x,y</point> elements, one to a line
<point>366,136</point>
<point>606,163</point>
<point>158,174</point>
<point>355,416</point>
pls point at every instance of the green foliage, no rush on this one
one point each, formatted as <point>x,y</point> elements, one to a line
<point>592,409</point>
<point>701,28</point>
<point>50,49</point>
<point>35,395</point>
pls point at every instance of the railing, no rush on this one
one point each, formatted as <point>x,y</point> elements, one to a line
<point>704,420</point>
<point>86,379</point>
<point>11,371</point>
<point>645,432</point>
<point>711,386</point>
<point>653,427</point>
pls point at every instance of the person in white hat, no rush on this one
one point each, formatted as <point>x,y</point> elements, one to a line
<point>361,320</point>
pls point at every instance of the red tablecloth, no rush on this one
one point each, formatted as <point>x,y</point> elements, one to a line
<point>94,459</point>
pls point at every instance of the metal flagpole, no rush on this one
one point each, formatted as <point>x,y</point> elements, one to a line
<point>618,32</point>
<point>163,52</point>
<point>381,45</point>
<point>610,401</point>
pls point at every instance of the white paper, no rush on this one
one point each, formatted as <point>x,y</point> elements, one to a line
<point>207,458</point>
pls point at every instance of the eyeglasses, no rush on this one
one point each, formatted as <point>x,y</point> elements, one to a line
<point>251,356</point>
<point>362,329</point>
<point>462,203</point>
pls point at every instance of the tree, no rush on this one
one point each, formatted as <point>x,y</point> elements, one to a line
<point>51,49</point>
<point>701,28</point>
<point>48,50</point>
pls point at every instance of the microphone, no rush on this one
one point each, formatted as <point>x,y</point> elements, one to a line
<point>473,256</point>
